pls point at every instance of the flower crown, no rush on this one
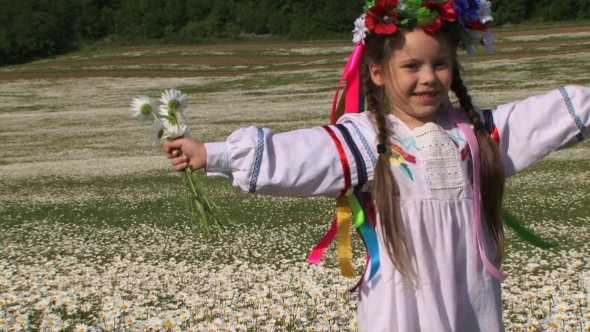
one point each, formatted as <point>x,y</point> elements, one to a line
<point>469,17</point>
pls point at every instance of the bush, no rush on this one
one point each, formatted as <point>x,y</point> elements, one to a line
<point>197,31</point>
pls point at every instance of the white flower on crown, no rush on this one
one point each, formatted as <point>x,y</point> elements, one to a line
<point>485,13</point>
<point>360,30</point>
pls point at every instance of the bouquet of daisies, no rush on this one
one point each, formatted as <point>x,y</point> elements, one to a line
<point>170,123</point>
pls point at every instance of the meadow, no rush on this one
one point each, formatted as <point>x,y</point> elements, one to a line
<point>93,231</point>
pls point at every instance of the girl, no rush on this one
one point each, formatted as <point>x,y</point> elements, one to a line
<point>435,173</point>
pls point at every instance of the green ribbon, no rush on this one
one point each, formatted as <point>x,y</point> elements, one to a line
<point>524,233</point>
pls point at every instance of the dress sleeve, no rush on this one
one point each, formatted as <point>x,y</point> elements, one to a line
<point>532,128</point>
<point>320,161</point>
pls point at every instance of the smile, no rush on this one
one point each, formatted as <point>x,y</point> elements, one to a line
<point>425,94</point>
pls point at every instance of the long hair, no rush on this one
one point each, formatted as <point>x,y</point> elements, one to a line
<point>378,51</point>
<point>492,176</point>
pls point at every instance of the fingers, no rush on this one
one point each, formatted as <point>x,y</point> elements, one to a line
<point>184,152</point>
<point>173,148</point>
<point>179,163</point>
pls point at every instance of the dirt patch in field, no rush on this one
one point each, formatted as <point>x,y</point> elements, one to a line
<point>67,67</point>
<point>269,46</point>
<point>212,61</point>
<point>544,31</point>
<point>142,73</point>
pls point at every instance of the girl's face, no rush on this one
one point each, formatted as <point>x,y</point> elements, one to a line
<point>417,77</point>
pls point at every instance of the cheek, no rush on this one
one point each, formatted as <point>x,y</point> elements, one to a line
<point>445,77</point>
<point>405,81</point>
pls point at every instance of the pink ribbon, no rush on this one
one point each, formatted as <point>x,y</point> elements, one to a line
<point>315,256</point>
<point>352,92</point>
<point>474,147</point>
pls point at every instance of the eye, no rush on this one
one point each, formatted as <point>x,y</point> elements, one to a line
<point>441,64</point>
<point>412,66</point>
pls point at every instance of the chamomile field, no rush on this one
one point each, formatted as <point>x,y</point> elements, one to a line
<point>92,217</point>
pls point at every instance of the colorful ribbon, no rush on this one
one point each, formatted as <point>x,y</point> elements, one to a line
<point>357,206</point>
<point>343,240</point>
<point>367,231</point>
<point>363,221</point>
<point>317,253</point>
<point>353,101</point>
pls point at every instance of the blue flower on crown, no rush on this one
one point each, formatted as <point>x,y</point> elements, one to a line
<point>467,10</point>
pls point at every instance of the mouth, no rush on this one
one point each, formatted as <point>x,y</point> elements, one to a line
<point>427,94</point>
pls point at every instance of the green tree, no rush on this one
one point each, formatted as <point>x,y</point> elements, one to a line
<point>93,20</point>
<point>251,18</point>
<point>511,11</point>
<point>175,14</point>
<point>197,10</point>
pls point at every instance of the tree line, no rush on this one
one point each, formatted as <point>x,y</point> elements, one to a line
<point>32,29</point>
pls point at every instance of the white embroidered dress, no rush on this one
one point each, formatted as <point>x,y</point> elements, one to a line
<point>453,291</point>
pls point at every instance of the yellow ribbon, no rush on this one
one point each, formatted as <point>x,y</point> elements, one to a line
<point>343,238</point>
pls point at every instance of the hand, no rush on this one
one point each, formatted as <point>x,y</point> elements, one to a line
<point>184,152</point>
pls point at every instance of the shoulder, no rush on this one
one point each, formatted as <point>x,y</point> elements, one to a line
<point>364,122</point>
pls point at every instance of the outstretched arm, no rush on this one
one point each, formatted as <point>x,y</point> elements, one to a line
<point>327,160</point>
<point>534,127</point>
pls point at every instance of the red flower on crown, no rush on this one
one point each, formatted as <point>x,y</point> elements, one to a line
<point>382,18</point>
<point>477,25</point>
<point>445,13</point>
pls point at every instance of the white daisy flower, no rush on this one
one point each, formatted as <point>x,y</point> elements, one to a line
<point>169,322</point>
<point>41,305</point>
<point>561,307</point>
<point>485,11</point>
<point>360,30</point>
<point>144,108</point>
<point>173,131</point>
<point>11,298</point>
<point>172,99</point>
<point>63,324</point>
<point>125,306</point>
<point>559,317</point>
<point>278,312</point>
<point>81,328</point>
<point>181,296</point>
<point>155,323</point>
<point>157,131</point>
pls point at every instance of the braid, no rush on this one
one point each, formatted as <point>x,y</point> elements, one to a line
<point>492,175</point>
<point>385,189</point>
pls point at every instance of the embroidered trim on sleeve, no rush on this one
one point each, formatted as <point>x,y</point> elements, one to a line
<point>358,157</point>
<point>572,111</point>
<point>257,161</point>
<point>343,160</point>
<point>365,144</point>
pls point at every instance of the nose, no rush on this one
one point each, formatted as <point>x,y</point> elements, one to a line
<point>428,76</point>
